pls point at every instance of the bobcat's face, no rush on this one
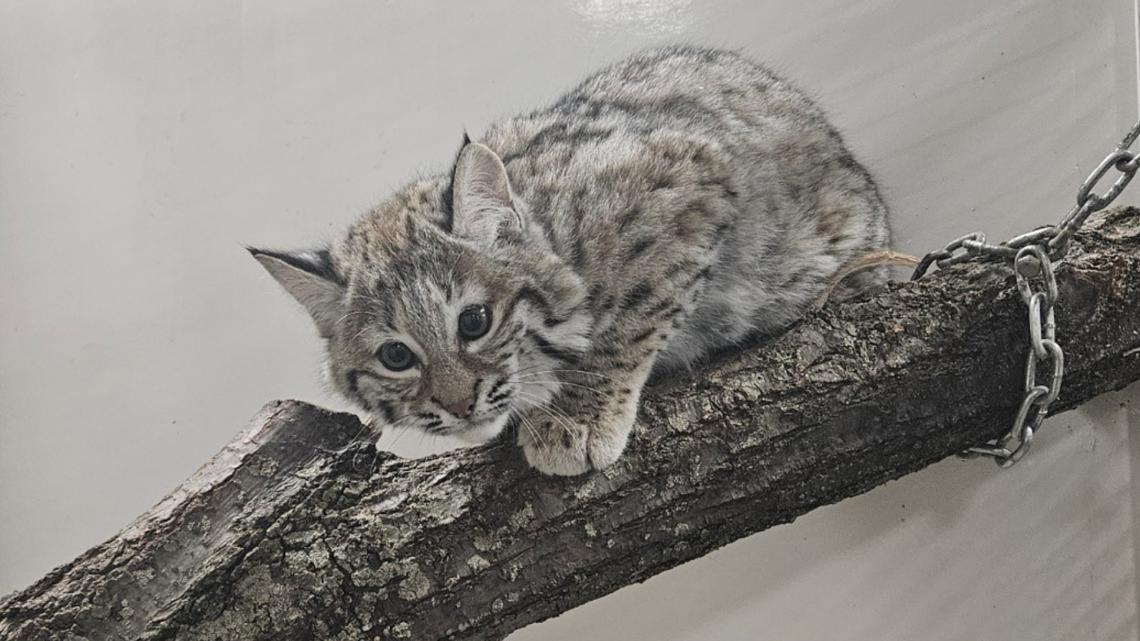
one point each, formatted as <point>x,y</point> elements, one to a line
<point>450,326</point>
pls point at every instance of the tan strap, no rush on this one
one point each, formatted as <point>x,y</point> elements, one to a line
<point>866,261</point>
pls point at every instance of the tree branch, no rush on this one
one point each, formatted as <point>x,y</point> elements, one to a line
<point>298,530</point>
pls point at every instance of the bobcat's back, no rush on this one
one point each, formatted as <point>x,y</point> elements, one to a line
<point>630,172</point>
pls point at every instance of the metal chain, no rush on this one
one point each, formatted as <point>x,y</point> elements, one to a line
<point>1032,255</point>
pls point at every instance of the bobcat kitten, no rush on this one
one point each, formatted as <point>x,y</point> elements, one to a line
<point>671,205</point>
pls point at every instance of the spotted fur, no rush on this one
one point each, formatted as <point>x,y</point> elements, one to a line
<point>670,206</point>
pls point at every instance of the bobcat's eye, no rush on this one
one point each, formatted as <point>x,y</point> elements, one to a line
<point>474,322</point>
<point>396,356</point>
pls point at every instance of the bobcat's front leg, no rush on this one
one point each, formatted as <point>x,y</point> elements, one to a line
<point>587,424</point>
<point>586,427</point>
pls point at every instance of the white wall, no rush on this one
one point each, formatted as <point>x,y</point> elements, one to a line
<point>142,143</point>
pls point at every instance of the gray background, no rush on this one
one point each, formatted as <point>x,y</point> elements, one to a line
<point>142,143</point>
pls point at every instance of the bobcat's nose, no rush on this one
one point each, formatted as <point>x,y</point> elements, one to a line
<point>461,408</point>
<point>457,395</point>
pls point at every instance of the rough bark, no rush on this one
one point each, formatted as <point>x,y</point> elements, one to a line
<point>300,530</point>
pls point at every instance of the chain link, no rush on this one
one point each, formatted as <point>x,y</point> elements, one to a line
<point>1032,256</point>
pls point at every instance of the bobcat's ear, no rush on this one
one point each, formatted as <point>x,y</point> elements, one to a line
<point>310,278</point>
<point>482,205</point>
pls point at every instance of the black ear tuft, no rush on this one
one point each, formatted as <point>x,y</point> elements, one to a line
<point>318,263</point>
<point>447,197</point>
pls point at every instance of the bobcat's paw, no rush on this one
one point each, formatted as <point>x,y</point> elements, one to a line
<point>605,446</point>
<point>555,448</point>
<point>564,449</point>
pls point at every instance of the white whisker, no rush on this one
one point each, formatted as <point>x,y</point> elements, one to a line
<point>529,426</point>
<point>561,417</point>
<point>560,383</point>
<point>571,371</point>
